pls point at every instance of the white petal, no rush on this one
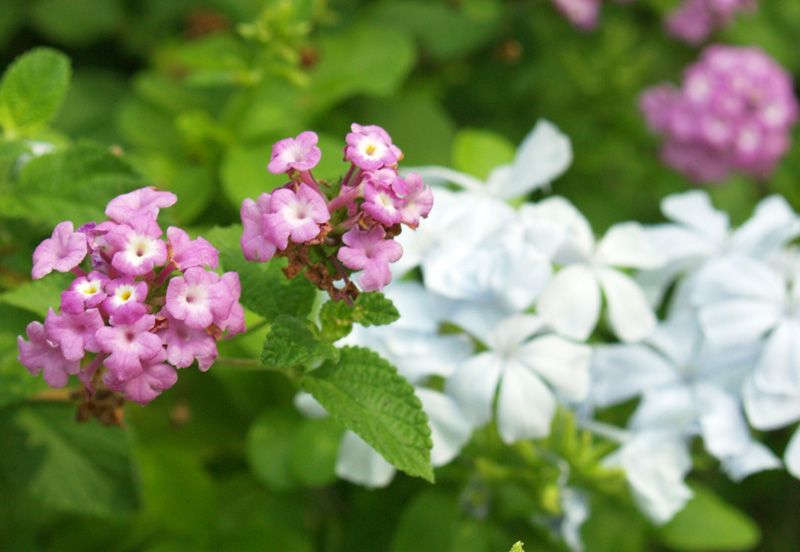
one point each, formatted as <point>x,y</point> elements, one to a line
<point>621,372</point>
<point>360,463</point>
<point>678,243</point>
<point>737,277</point>
<point>754,459</point>
<point>725,431</point>
<point>509,334</point>
<point>450,429</point>
<point>525,406</point>
<point>670,409</point>
<point>778,369</point>
<point>563,363</point>
<point>630,315</point>
<point>772,226</point>
<point>571,303</point>
<point>627,245</point>
<point>656,464</point>
<point>769,410</point>
<point>544,155</point>
<point>792,455</point>
<point>419,308</point>
<point>695,210</point>
<point>579,241</point>
<point>440,176</point>
<point>738,321</point>
<point>678,337</point>
<point>473,386</point>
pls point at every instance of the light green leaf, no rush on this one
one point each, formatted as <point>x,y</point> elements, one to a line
<point>32,90</point>
<point>350,61</point>
<point>76,467</point>
<point>265,289</point>
<point>291,341</point>
<point>709,523</point>
<point>39,295</point>
<point>477,152</point>
<point>74,183</point>
<point>370,309</point>
<point>366,395</point>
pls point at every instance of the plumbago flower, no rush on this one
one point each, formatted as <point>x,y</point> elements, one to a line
<point>694,20</point>
<point>331,231</point>
<point>734,113</point>
<point>583,14</point>
<point>148,307</point>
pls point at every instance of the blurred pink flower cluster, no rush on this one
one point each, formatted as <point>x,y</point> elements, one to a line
<point>583,14</point>
<point>330,230</point>
<point>147,307</point>
<point>694,20</point>
<point>733,113</point>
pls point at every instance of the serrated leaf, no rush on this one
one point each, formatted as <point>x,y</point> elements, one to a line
<point>265,289</point>
<point>370,309</point>
<point>366,395</point>
<point>82,468</point>
<point>709,523</point>
<point>290,341</point>
<point>32,90</point>
<point>74,183</point>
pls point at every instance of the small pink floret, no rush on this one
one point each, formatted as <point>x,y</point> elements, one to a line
<point>144,201</point>
<point>299,153</point>
<point>63,251</point>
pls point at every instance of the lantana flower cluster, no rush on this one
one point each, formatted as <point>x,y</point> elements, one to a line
<point>146,306</point>
<point>583,14</point>
<point>733,113</point>
<point>333,230</point>
<point>694,20</point>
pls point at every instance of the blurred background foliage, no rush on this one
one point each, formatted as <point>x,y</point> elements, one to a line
<point>194,93</point>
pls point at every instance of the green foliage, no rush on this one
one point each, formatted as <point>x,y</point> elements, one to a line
<point>477,152</point>
<point>38,296</point>
<point>32,89</point>
<point>292,341</point>
<point>370,309</point>
<point>82,468</point>
<point>709,523</point>
<point>365,394</point>
<point>72,183</point>
<point>265,289</point>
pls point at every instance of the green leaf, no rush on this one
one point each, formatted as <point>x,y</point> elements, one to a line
<point>517,547</point>
<point>370,309</point>
<point>76,467</point>
<point>428,523</point>
<point>477,152</point>
<point>709,523</point>
<point>265,289</point>
<point>268,448</point>
<point>290,341</point>
<point>74,183</point>
<point>366,395</point>
<point>32,90</point>
<point>315,447</point>
<point>77,23</point>
<point>39,295</point>
<point>350,61</point>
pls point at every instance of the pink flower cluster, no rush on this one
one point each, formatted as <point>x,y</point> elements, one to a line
<point>733,113</point>
<point>146,307</point>
<point>583,14</point>
<point>332,230</point>
<point>694,20</point>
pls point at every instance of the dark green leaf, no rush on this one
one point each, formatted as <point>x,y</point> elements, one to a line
<point>77,467</point>
<point>366,395</point>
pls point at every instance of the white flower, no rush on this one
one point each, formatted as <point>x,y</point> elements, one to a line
<point>571,302</point>
<point>656,464</point>
<point>700,232</point>
<point>522,358</point>
<point>688,388</point>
